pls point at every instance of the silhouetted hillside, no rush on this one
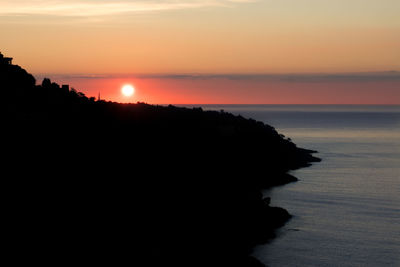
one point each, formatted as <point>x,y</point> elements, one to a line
<point>101,182</point>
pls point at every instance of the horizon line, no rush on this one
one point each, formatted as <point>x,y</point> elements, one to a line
<point>248,104</point>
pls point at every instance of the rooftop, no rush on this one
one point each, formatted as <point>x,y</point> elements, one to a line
<point>5,60</point>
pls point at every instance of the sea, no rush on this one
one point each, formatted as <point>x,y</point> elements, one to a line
<point>346,209</point>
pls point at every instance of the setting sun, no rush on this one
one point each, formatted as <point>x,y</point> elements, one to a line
<point>210,93</point>
<point>128,90</point>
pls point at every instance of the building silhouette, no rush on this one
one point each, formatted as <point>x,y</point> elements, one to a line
<point>5,60</point>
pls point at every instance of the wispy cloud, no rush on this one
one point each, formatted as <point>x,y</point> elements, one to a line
<point>93,8</point>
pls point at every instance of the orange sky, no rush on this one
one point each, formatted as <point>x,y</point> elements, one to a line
<point>129,38</point>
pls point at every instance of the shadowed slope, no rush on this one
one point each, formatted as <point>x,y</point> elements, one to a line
<point>101,182</point>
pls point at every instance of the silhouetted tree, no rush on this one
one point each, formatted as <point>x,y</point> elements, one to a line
<point>46,83</point>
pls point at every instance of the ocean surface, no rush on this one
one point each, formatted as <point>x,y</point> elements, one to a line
<point>346,209</point>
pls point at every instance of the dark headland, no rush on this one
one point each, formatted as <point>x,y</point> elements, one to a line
<point>96,182</point>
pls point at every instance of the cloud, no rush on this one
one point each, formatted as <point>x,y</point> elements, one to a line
<point>93,8</point>
<point>388,76</point>
<point>295,78</point>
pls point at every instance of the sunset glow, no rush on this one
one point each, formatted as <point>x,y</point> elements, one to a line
<point>159,130</point>
<point>173,43</point>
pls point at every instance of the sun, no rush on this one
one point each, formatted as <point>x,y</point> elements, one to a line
<point>127,90</point>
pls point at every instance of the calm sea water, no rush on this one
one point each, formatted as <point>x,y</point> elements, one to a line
<point>347,208</point>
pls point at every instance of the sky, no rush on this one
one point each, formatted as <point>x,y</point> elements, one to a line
<point>211,51</point>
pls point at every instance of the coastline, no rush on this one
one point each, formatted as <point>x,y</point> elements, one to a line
<point>332,204</point>
<point>282,213</point>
